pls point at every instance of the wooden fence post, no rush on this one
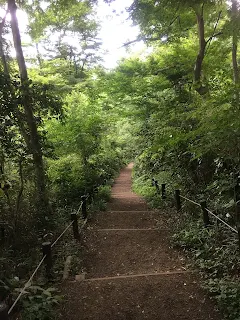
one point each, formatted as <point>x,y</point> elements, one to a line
<point>3,311</point>
<point>205,214</point>
<point>153,182</point>
<point>157,186</point>
<point>75,225</point>
<point>47,250</point>
<point>91,194</point>
<point>84,207</point>
<point>178,200</point>
<point>95,188</point>
<point>164,191</point>
<point>2,233</point>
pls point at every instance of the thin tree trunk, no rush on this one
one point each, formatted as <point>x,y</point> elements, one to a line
<point>39,59</point>
<point>75,65</point>
<point>20,192</point>
<point>5,185</point>
<point>202,48</point>
<point>17,40</point>
<point>43,201</point>
<point>235,42</point>
<point>2,55</point>
<point>83,64</point>
<point>234,62</point>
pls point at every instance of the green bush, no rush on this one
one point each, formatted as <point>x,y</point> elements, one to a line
<point>38,303</point>
<point>227,293</point>
<point>67,178</point>
<point>215,252</point>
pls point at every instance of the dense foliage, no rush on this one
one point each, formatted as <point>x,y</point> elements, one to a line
<point>67,125</point>
<point>59,140</point>
<point>184,98</point>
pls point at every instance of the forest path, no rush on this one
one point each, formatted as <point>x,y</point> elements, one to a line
<point>130,270</point>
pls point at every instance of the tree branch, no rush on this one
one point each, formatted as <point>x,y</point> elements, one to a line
<point>213,36</point>
<point>147,39</point>
<point>2,55</point>
<point>3,21</point>
<point>203,8</point>
<point>176,17</point>
<point>139,39</point>
<point>208,42</point>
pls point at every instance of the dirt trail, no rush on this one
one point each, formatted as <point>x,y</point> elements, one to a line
<point>131,273</point>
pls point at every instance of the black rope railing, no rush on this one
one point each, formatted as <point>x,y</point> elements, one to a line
<point>205,211</point>
<point>5,311</point>
<point>211,213</point>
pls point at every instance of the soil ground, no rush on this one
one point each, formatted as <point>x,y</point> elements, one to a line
<point>130,271</point>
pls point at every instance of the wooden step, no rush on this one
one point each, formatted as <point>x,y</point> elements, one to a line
<point>168,297</point>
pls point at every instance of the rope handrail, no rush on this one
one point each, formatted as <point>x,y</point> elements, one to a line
<point>197,204</point>
<point>80,207</point>
<point>43,258</point>
<point>66,229</point>
<point>27,284</point>
<point>224,222</point>
<point>213,214</point>
<point>59,237</point>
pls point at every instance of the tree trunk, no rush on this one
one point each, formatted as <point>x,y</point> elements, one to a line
<point>201,53</point>
<point>2,55</point>
<point>43,201</point>
<point>19,196</point>
<point>234,42</point>
<point>39,58</point>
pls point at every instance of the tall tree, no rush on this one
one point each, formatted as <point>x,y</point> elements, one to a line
<point>234,19</point>
<point>31,134</point>
<point>202,43</point>
<point>2,54</point>
<point>174,19</point>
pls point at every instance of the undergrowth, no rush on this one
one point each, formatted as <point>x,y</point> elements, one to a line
<point>143,185</point>
<point>40,297</point>
<point>214,251</point>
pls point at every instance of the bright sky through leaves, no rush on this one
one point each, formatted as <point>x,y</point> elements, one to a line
<point>116,29</point>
